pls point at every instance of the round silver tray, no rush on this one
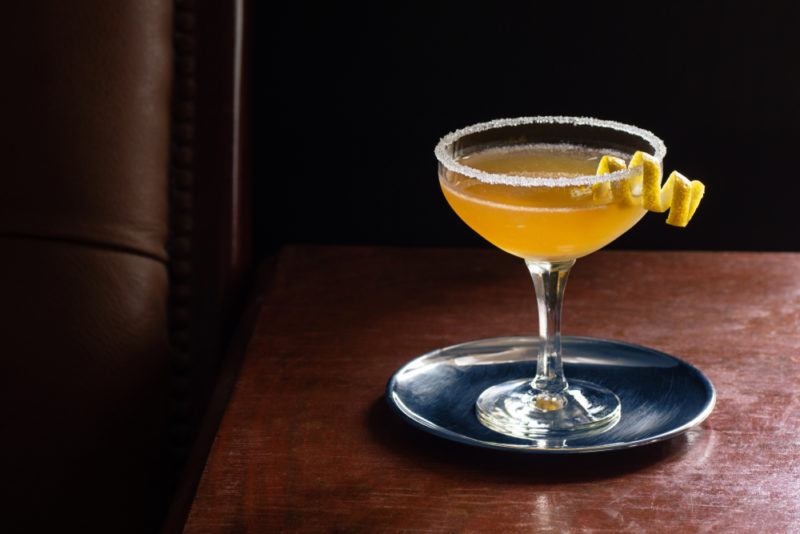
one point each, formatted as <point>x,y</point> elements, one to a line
<point>661,396</point>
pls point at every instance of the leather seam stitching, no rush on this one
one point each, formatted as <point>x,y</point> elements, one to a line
<point>84,242</point>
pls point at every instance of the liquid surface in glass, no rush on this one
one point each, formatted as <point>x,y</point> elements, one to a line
<point>540,223</point>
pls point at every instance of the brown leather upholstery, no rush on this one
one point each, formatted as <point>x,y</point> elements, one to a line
<point>112,319</point>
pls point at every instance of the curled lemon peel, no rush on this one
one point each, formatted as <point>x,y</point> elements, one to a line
<point>679,195</point>
<point>601,192</point>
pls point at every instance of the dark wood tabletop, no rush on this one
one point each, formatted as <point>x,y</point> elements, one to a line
<point>308,443</point>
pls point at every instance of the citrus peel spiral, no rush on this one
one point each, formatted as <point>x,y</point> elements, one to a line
<point>679,195</point>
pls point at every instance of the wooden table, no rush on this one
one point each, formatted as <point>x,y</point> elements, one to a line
<point>308,444</point>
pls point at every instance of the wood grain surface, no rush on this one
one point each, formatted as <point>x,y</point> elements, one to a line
<point>308,444</point>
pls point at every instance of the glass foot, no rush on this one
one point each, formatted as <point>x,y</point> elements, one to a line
<point>516,409</point>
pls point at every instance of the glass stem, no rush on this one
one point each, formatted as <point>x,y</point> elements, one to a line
<point>549,280</point>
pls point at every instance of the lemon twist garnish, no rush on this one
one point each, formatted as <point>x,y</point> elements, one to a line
<point>679,195</point>
<point>601,192</point>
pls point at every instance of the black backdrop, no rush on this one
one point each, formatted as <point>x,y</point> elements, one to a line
<point>350,100</point>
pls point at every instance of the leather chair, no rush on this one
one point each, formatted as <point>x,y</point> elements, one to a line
<point>125,242</point>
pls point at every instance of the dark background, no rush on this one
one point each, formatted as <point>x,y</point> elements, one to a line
<point>350,100</point>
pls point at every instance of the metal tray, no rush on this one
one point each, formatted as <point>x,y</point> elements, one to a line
<point>661,396</point>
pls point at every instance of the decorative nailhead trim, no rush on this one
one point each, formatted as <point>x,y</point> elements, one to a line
<point>182,223</point>
<point>184,133</point>
<point>181,245</point>
<point>181,197</point>
<point>181,269</point>
<point>183,110</point>
<point>181,179</point>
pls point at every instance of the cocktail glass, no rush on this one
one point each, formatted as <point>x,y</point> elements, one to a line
<point>528,186</point>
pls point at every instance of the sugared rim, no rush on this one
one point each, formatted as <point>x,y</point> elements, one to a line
<point>444,157</point>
